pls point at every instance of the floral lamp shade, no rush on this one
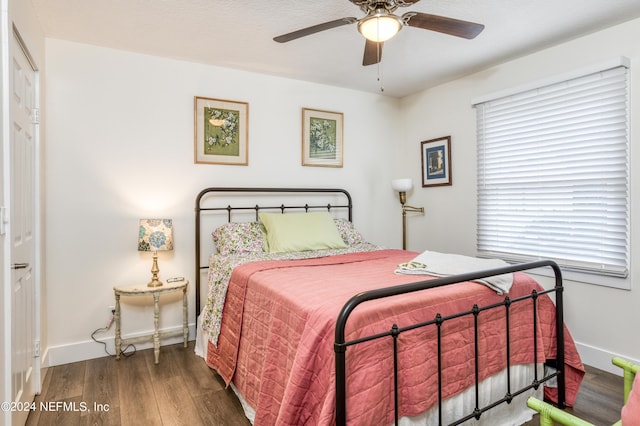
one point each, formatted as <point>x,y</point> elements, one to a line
<point>155,235</point>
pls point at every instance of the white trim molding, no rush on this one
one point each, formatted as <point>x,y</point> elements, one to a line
<point>88,349</point>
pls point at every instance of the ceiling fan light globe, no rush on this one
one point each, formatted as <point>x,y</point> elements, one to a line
<point>379,28</point>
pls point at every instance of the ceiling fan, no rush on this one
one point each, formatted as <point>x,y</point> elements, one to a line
<point>380,24</point>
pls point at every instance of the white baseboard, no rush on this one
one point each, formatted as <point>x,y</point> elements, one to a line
<point>81,351</point>
<point>88,349</point>
<point>600,358</point>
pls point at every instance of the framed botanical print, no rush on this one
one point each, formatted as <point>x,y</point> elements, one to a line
<point>322,133</point>
<point>221,132</point>
<point>436,161</point>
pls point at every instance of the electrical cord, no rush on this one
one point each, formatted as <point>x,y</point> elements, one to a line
<point>123,352</point>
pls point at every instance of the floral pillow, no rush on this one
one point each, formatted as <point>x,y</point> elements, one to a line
<point>348,233</point>
<point>239,238</point>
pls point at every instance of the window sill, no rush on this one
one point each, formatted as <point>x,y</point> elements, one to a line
<point>582,277</point>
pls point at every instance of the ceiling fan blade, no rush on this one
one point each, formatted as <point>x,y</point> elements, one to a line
<point>314,29</point>
<point>442,24</point>
<point>372,52</point>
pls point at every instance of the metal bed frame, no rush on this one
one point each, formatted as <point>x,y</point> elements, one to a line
<point>340,345</point>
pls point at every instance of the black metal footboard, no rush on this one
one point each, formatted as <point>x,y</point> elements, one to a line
<point>340,345</point>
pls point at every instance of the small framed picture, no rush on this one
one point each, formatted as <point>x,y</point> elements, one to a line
<point>436,162</point>
<point>221,131</point>
<point>322,143</point>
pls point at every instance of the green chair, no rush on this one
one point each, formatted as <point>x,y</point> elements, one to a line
<point>550,414</point>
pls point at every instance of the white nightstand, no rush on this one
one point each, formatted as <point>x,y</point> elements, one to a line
<point>144,290</point>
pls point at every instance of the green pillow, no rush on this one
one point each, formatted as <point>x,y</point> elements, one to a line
<point>300,231</point>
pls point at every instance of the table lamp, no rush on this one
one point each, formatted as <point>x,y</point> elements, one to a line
<point>155,235</point>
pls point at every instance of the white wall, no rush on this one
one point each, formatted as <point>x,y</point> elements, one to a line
<point>120,148</point>
<point>602,320</point>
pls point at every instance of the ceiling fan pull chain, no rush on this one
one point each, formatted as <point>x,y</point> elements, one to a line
<point>379,65</point>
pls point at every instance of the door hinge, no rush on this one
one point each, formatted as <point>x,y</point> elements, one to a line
<point>36,116</point>
<point>3,220</point>
<point>36,349</point>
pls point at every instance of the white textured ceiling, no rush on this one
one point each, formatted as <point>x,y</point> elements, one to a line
<point>239,34</point>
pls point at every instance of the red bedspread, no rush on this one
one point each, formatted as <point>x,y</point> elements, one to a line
<point>277,332</point>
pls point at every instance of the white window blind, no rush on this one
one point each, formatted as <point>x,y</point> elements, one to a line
<point>553,174</point>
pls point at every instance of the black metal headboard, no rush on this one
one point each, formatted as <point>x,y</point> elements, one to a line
<point>229,209</point>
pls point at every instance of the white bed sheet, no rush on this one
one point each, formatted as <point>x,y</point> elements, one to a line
<point>514,414</point>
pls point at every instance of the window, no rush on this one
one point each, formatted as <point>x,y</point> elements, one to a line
<point>553,174</point>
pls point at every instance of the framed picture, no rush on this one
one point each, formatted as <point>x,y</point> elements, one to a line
<point>322,143</point>
<point>436,162</point>
<point>221,131</point>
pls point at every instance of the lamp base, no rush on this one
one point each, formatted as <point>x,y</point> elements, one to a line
<point>155,282</point>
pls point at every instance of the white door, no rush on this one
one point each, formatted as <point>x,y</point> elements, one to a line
<point>22,214</point>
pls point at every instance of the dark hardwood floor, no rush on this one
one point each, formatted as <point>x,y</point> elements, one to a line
<point>182,390</point>
<point>599,400</point>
